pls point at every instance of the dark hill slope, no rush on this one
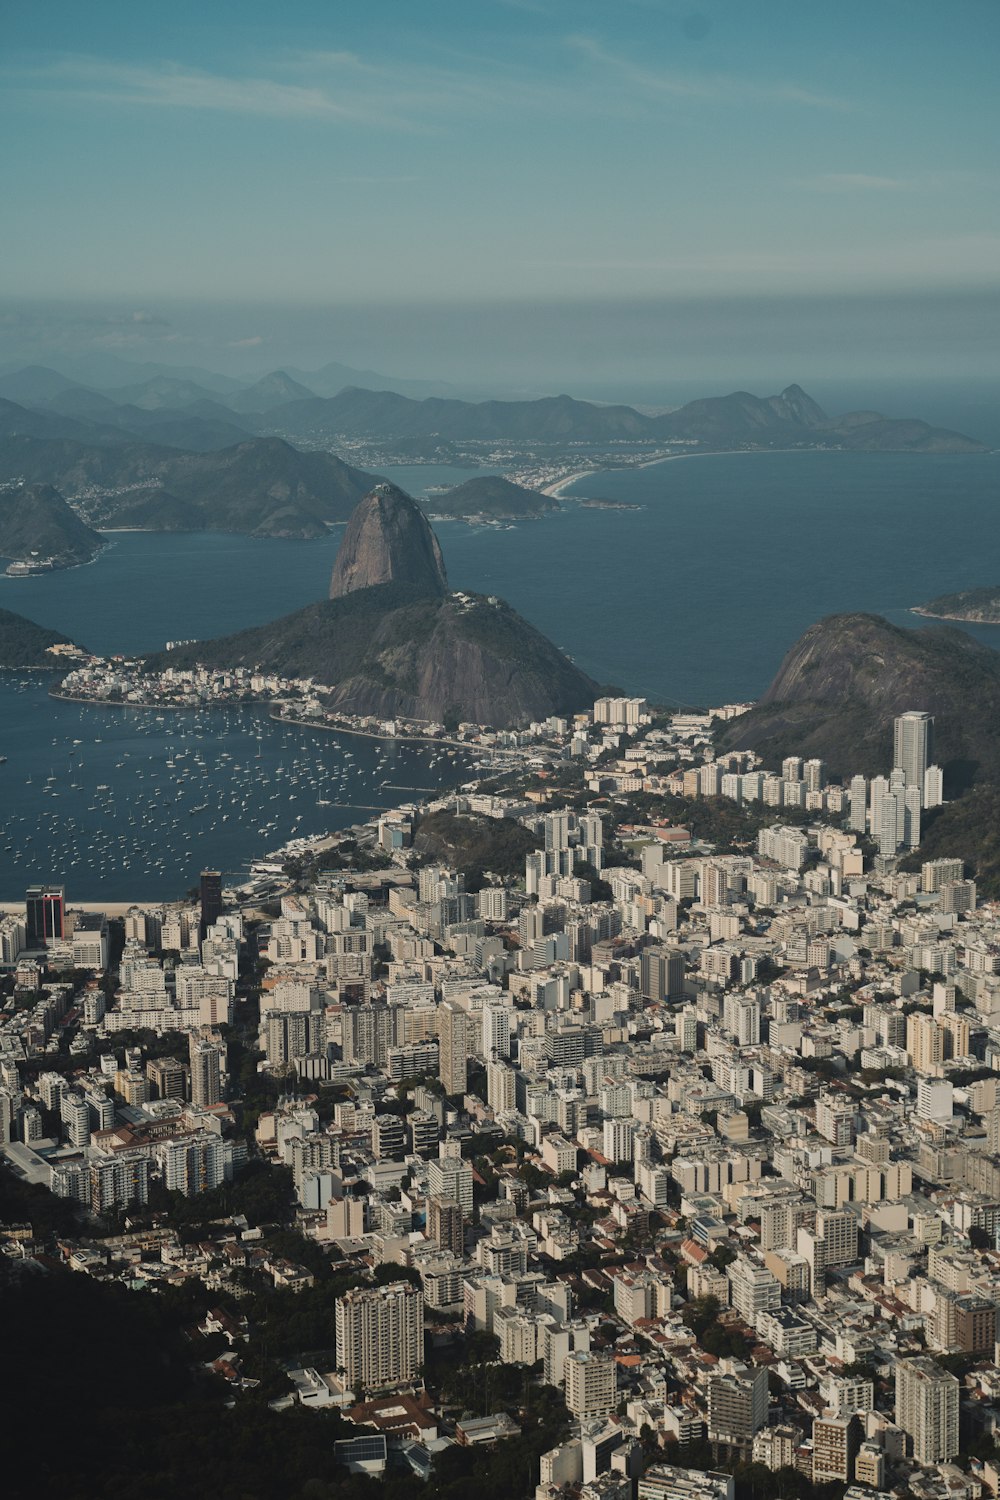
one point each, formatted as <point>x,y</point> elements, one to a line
<point>393,651</point>
<point>842,683</point>
<point>25,644</point>
<point>474,844</point>
<point>35,521</point>
<point>260,487</point>
<point>385,414</point>
<point>491,496</point>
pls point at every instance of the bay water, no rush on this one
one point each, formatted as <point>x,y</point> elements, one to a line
<point>691,599</point>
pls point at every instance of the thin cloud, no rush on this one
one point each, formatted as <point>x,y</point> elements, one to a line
<point>719,87</point>
<point>856,182</point>
<point>173,87</point>
<point>866,182</point>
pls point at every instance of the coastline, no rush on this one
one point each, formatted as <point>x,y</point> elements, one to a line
<point>268,705</point>
<point>558,486</point>
<point>927,614</point>
<point>371,734</point>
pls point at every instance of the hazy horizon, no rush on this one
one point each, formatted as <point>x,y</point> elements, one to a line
<point>647,202</point>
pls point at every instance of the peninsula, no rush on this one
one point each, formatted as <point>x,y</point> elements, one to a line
<point>979,606</point>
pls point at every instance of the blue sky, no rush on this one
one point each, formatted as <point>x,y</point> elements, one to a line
<point>423,153</point>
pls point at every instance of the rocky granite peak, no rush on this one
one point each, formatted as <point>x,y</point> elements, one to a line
<point>388,540</point>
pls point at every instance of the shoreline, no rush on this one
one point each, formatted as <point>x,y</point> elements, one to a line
<point>558,486</point>
<point>927,614</point>
<point>268,705</point>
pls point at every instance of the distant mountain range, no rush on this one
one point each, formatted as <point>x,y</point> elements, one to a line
<point>286,405</point>
<point>393,641</point>
<point>172,453</point>
<point>740,420</point>
<point>260,487</point>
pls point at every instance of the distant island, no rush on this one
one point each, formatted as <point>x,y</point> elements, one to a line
<point>977,606</point>
<point>490,498</point>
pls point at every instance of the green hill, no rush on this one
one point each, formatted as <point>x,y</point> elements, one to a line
<point>980,606</point>
<point>25,644</point>
<point>843,682</point>
<point>492,497</point>
<point>36,523</point>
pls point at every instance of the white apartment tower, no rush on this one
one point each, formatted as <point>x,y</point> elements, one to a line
<point>927,1408</point>
<point>380,1335</point>
<point>912,740</point>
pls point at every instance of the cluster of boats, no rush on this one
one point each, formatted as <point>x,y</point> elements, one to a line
<point>136,811</point>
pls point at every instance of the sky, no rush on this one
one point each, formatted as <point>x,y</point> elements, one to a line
<point>601,190</point>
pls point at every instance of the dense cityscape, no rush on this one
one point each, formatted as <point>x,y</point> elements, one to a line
<point>500,751</point>
<point>654,1141</point>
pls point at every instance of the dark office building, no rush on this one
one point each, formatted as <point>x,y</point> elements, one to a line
<point>211,900</point>
<point>45,906</point>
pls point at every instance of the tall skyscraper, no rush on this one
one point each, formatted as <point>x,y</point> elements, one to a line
<point>912,745</point>
<point>380,1335</point>
<point>45,906</point>
<point>927,1408</point>
<point>858,804</point>
<point>496,1031</point>
<point>453,1035</point>
<point>207,1057</point>
<point>211,900</point>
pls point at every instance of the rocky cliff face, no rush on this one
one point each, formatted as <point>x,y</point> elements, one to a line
<point>840,686</point>
<point>388,540</point>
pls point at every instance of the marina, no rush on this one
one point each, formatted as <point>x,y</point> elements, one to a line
<point>130,805</point>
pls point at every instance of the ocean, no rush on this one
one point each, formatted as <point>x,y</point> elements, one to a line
<point>692,599</point>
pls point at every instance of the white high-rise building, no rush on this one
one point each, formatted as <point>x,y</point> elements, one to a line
<point>453,1035</point>
<point>912,801</point>
<point>496,1031</point>
<point>501,1086</point>
<point>451,1177</point>
<point>207,1056</point>
<point>380,1335</point>
<point>912,739</point>
<point>927,1408</point>
<point>858,804</point>
<point>933,786</point>
<point>590,1383</point>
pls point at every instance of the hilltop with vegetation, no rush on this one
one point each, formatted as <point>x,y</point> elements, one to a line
<point>25,644</point>
<point>36,523</point>
<point>490,497</point>
<point>977,606</point>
